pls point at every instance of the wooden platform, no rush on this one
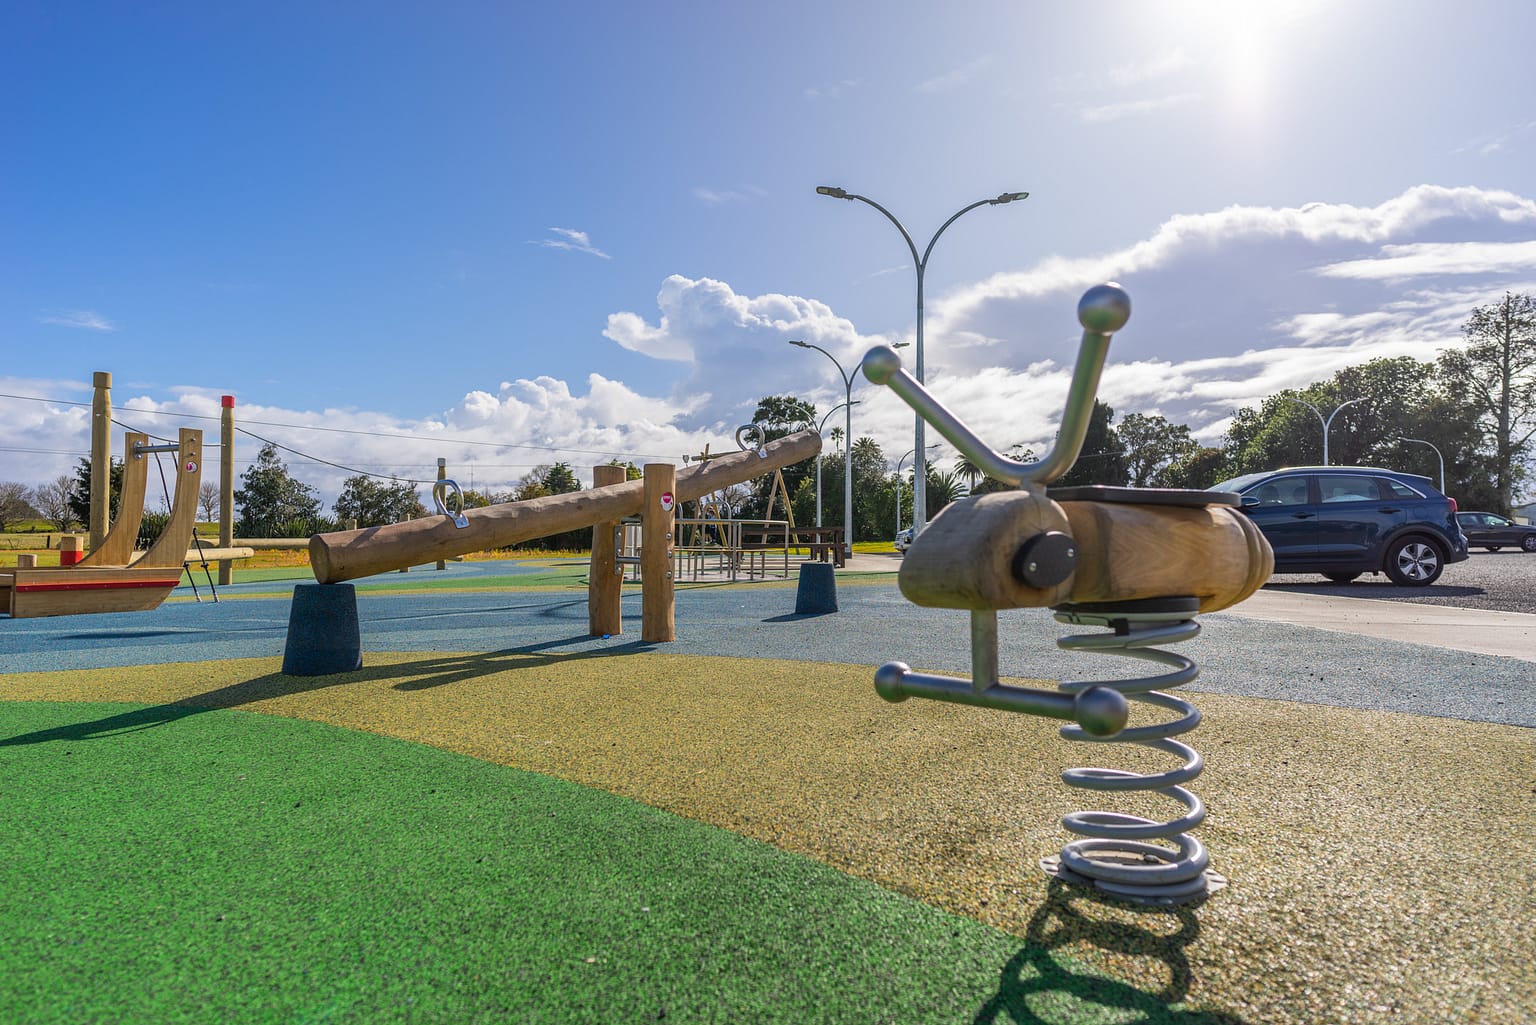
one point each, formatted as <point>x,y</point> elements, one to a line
<point>69,590</point>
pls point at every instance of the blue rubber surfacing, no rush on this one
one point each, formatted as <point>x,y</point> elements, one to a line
<point>874,624</point>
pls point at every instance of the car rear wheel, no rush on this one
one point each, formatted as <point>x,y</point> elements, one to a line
<point>1341,578</point>
<point>1528,543</point>
<point>1413,562</point>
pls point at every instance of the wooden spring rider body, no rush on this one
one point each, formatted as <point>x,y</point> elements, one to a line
<point>1140,562</point>
<point>110,578</point>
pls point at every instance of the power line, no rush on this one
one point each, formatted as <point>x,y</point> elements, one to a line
<point>395,436</point>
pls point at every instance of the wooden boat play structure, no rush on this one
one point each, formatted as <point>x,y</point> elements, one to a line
<point>110,578</point>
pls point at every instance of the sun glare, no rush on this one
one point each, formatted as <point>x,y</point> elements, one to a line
<point>1246,44</point>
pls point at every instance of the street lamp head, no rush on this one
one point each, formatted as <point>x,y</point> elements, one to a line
<point>797,342</point>
<point>1008,197</point>
<point>833,191</point>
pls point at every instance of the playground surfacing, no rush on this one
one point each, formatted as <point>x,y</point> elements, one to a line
<point>1380,861</point>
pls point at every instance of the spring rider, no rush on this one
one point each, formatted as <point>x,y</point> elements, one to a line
<point>1139,563</point>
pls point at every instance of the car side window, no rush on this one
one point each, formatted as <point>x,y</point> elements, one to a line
<point>1399,489</point>
<point>1285,491</point>
<point>1345,488</point>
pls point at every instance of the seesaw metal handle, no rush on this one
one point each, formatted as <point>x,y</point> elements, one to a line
<point>1102,311</point>
<point>440,499</point>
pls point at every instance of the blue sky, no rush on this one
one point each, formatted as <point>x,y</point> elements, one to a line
<point>579,231</point>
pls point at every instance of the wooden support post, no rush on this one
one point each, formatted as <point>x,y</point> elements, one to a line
<point>226,485</point>
<point>656,529</point>
<point>71,550</point>
<point>442,474</point>
<point>605,585</point>
<point>101,457</point>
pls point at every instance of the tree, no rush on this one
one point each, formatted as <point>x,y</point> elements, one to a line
<point>80,497</point>
<point>547,479</point>
<point>968,471</point>
<point>559,479</point>
<point>986,485</point>
<point>1495,375</point>
<point>1151,444</point>
<point>270,503</point>
<point>871,489</point>
<point>1198,469</point>
<point>374,503</point>
<point>631,471</point>
<point>1101,460</point>
<point>943,488</point>
<point>781,415</point>
<point>52,499</point>
<point>208,500</point>
<point>15,503</point>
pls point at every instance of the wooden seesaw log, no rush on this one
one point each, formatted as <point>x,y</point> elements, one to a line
<point>349,554</point>
<point>975,554</point>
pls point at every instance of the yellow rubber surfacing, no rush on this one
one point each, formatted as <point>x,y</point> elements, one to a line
<point>1381,864</point>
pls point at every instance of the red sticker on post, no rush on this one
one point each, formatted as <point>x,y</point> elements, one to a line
<point>191,466</point>
<point>666,501</point>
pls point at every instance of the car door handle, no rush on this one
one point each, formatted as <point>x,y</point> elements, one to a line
<point>1390,509</point>
<point>1303,516</point>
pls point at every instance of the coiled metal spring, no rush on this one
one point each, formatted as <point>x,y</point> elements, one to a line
<point>1116,855</point>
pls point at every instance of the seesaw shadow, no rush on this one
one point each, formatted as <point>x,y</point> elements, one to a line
<point>420,674</point>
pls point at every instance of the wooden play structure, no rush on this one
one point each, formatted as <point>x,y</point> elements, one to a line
<point>113,577</point>
<point>349,554</point>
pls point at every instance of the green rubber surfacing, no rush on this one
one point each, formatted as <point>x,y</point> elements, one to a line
<point>235,867</point>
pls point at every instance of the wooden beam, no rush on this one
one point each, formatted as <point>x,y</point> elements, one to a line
<point>349,554</point>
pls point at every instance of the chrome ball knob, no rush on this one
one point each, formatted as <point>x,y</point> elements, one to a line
<point>1103,308</point>
<point>881,364</point>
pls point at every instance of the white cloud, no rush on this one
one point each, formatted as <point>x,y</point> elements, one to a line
<point>705,323</point>
<point>1159,65</point>
<point>715,197</point>
<point>1229,307</point>
<point>1435,258</point>
<point>955,78</point>
<point>80,318</point>
<point>571,240</point>
<point>832,91</point>
<point>1103,112</point>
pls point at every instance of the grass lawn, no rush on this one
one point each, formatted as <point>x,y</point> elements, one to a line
<point>168,864</point>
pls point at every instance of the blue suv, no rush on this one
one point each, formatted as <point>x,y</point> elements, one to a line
<point>1342,521</point>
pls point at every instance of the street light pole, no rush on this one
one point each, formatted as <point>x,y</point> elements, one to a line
<point>898,484</point>
<point>819,429</point>
<point>1328,422</point>
<point>898,491</point>
<point>1438,456</point>
<point>919,461</point>
<point>847,444</point>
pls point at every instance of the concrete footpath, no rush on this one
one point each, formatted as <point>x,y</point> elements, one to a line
<point>1504,634</point>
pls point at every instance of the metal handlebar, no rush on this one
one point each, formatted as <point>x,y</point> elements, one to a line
<point>1102,311</point>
